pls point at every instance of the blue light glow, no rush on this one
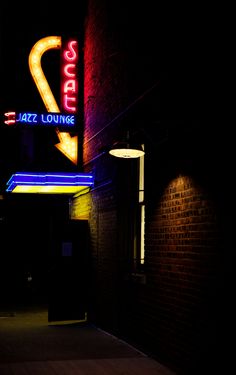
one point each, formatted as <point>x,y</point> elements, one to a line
<point>49,180</point>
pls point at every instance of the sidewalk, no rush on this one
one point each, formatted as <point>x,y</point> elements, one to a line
<point>29,345</point>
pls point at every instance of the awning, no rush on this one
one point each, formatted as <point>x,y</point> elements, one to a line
<point>50,183</point>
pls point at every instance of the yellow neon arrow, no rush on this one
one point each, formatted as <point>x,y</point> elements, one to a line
<point>68,145</point>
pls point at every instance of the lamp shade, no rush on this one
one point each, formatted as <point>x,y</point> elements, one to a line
<point>126,150</point>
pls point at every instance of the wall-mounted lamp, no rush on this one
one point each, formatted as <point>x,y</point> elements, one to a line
<point>126,150</point>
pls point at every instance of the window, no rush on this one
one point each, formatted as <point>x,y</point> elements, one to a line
<point>139,238</point>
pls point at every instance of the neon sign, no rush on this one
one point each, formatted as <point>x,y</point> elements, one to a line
<point>10,118</point>
<point>69,79</point>
<point>68,144</point>
<point>35,66</point>
<point>42,119</point>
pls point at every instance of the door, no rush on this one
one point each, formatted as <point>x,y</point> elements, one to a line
<point>68,271</point>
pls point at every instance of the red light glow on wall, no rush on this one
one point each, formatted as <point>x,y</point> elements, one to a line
<point>69,76</point>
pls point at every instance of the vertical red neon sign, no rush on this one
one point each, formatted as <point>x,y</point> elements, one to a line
<point>69,76</point>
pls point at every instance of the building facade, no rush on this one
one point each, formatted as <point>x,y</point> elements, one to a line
<point>172,299</point>
<point>160,270</point>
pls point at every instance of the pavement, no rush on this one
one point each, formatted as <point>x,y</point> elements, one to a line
<point>30,345</point>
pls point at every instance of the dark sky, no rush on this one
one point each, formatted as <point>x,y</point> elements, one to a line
<point>21,27</point>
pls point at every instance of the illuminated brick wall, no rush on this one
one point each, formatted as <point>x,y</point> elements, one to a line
<point>182,267</point>
<point>80,207</point>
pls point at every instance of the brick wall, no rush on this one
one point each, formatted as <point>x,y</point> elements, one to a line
<point>80,208</point>
<point>174,315</point>
<point>182,255</point>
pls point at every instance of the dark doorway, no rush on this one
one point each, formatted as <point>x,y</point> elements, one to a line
<point>68,275</point>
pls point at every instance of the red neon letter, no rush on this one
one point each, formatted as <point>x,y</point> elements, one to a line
<point>71,54</point>
<point>69,67</point>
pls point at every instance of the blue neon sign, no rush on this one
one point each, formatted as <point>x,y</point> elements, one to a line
<point>48,119</point>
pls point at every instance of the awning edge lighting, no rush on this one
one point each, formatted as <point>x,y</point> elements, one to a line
<point>54,183</point>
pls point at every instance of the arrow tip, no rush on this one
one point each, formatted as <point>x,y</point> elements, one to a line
<point>69,147</point>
